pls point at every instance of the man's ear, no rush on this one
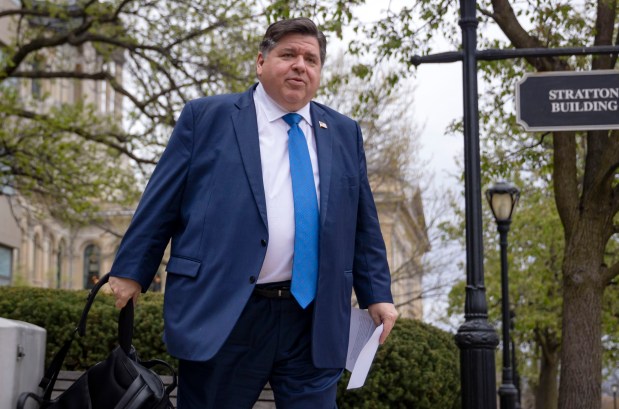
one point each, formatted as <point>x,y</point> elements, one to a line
<point>259,63</point>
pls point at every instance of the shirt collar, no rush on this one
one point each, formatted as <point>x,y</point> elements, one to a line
<point>273,110</point>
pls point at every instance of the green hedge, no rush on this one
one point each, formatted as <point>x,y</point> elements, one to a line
<point>58,311</point>
<point>416,369</point>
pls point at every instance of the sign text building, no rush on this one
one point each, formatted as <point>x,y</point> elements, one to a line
<point>556,101</point>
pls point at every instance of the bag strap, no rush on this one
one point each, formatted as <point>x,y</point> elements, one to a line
<point>23,397</point>
<point>51,373</point>
<point>81,326</point>
<point>125,336</point>
<point>125,327</point>
<point>154,362</point>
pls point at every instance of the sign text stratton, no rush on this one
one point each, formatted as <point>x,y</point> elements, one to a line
<point>568,101</point>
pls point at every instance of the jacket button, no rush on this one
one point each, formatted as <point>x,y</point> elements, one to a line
<point>252,280</point>
<point>263,242</point>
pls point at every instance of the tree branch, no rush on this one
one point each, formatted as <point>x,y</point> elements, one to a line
<point>31,47</point>
<point>508,22</point>
<point>61,74</point>
<point>615,204</point>
<point>40,12</point>
<point>565,179</point>
<point>41,43</point>
<point>119,9</point>
<point>97,38</point>
<point>196,33</point>
<point>604,28</point>
<point>613,59</point>
<point>601,159</point>
<point>98,138</point>
<point>97,76</point>
<point>612,272</point>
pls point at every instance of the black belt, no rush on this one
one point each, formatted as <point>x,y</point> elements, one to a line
<point>273,291</point>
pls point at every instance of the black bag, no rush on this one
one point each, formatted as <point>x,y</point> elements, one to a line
<point>122,381</point>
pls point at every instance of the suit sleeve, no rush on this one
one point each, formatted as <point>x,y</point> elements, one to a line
<point>157,214</point>
<point>371,276</point>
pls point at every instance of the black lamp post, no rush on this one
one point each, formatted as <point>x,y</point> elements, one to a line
<point>512,318</point>
<point>502,198</point>
<point>614,388</point>
<point>476,338</point>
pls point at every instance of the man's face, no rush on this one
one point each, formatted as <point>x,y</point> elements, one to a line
<point>290,72</point>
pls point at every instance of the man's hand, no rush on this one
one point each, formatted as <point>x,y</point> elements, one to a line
<point>124,289</point>
<point>386,314</point>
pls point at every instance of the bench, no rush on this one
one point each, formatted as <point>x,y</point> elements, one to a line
<point>66,379</point>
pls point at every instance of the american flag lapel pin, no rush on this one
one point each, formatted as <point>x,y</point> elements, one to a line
<point>322,124</point>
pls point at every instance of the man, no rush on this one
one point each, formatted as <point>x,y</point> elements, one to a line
<point>266,199</point>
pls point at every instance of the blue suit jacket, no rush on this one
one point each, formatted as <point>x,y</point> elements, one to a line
<point>207,195</point>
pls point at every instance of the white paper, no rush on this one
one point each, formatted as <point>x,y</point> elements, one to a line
<point>362,346</point>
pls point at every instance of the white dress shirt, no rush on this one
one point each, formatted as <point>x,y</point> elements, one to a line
<point>273,135</point>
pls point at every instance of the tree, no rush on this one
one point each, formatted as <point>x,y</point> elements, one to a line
<point>584,167</point>
<point>72,156</point>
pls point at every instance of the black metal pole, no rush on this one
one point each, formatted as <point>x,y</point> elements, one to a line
<point>476,338</point>
<point>507,391</point>
<point>494,54</point>
<point>512,317</point>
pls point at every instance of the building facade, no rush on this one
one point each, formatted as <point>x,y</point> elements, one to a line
<point>36,249</point>
<point>403,226</point>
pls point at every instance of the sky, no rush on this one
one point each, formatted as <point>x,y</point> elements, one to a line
<point>437,102</point>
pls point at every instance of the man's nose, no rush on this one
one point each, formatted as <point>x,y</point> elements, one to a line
<point>299,63</point>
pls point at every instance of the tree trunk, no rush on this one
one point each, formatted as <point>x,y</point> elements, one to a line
<point>581,350</point>
<point>587,206</point>
<point>547,391</point>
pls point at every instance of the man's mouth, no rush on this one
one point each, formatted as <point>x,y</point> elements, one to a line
<point>296,81</point>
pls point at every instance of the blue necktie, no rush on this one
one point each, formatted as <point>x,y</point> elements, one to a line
<point>306,215</point>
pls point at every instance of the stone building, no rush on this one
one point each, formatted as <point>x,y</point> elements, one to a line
<point>403,226</point>
<point>36,249</point>
<point>40,251</point>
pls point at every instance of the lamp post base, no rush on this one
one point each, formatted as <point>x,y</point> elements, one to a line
<point>477,341</point>
<point>508,396</point>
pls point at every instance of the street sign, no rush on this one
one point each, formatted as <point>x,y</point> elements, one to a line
<point>568,101</point>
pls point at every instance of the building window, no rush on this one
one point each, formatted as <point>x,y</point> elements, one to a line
<point>35,83</point>
<point>59,262</point>
<point>92,262</point>
<point>35,88</point>
<point>77,85</point>
<point>37,260</point>
<point>104,95</point>
<point>6,263</point>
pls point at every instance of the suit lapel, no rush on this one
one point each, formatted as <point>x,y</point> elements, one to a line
<point>246,129</point>
<point>324,146</point>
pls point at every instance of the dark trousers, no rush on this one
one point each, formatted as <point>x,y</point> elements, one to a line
<point>270,342</point>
